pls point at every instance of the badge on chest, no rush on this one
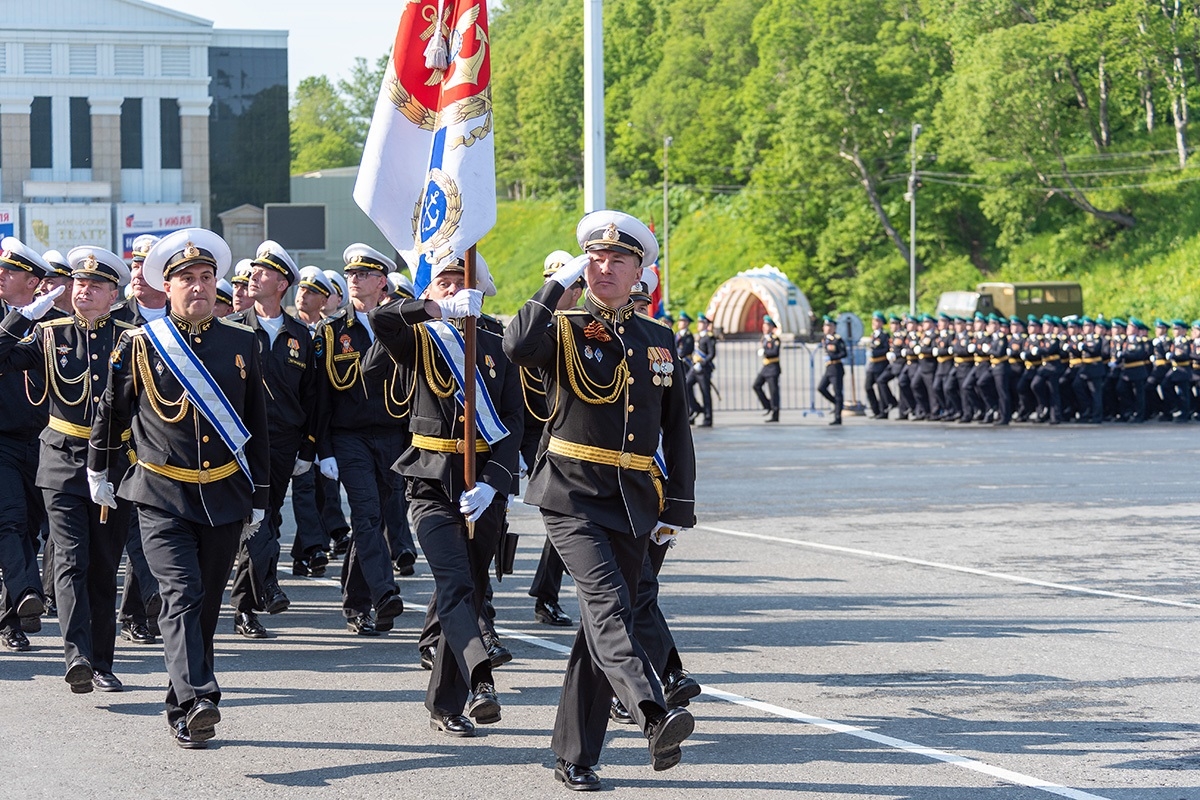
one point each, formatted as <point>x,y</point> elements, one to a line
<point>661,365</point>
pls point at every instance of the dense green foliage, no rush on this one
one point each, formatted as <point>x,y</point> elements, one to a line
<point>1055,142</point>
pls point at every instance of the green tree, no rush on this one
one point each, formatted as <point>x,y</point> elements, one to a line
<point>322,133</point>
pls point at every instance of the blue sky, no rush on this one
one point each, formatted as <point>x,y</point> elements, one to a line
<point>324,37</point>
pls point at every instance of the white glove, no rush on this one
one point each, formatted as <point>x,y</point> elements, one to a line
<point>524,470</point>
<point>760,352</point>
<point>250,527</point>
<point>301,467</point>
<point>329,468</point>
<point>463,303</point>
<point>41,304</point>
<point>474,502</point>
<point>664,534</point>
<point>101,488</point>
<point>572,271</point>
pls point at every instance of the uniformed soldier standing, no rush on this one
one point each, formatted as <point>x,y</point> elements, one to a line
<point>769,373</point>
<point>878,395</point>
<point>834,348</point>
<point>201,477</point>
<point>71,354</point>
<point>1177,387</point>
<point>21,506</point>
<point>1089,383</point>
<point>286,353</point>
<point>1135,368</point>
<point>615,389</point>
<point>458,528</point>
<point>700,375</point>
<point>685,342</point>
<point>365,415</point>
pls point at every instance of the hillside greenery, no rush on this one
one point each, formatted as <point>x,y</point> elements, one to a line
<point>1056,142</point>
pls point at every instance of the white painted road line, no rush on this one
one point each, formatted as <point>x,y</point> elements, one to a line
<point>999,773</point>
<point>1002,576</point>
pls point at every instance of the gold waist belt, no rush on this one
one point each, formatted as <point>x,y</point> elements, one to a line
<point>1131,364</point>
<point>436,445</point>
<point>600,455</point>
<point>1091,360</point>
<point>1074,362</point>
<point>998,361</point>
<point>78,431</point>
<point>960,360</point>
<point>944,359</point>
<point>200,476</point>
<point>877,359</point>
<point>768,361</point>
<point>1051,358</point>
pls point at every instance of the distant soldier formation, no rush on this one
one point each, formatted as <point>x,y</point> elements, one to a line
<point>991,369</point>
<point>171,425</point>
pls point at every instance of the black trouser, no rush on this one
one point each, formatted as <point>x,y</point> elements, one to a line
<point>903,393</point>
<point>1045,387</point>
<point>140,584</point>
<point>606,658</point>
<point>21,514</point>
<point>904,387</point>
<point>649,624</point>
<point>460,575</point>
<point>311,534</point>
<point>1112,394</point>
<point>86,556</point>
<point>548,577</point>
<point>923,387</point>
<point>258,556</point>
<point>946,403</point>
<point>1000,387</point>
<point>1157,392</point>
<point>191,562</point>
<point>1089,392</point>
<point>1178,389</point>
<point>768,375</point>
<point>1066,392</point>
<point>376,494</point>
<point>701,378</point>
<point>1027,402</point>
<point>1132,391</point>
<point>985,389</point>
<point>879,397</point>
<point>834,372</point>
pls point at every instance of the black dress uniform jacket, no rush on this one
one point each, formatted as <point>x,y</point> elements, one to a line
<point>141,383</point>
<point>23,418</point>
<point>398,328</point>
<point>615,400</point>
<point>72,358</point>
<point>291,378</point>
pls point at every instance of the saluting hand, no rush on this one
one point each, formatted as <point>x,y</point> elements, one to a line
<point>41,304</point>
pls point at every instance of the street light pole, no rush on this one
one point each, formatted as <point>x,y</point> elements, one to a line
<point>912,224</point>
<point>666,283</point>
<point>593,106</point>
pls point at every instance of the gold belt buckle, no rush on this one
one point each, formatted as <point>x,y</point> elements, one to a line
<point>625,460</point>
<point>460,446</point>
<point>202,476</point>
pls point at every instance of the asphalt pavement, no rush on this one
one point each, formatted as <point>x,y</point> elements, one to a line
<point>881,610</point>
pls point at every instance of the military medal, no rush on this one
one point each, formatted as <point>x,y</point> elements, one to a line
<point>240,363</point>
<point>491,363</point>
<point>63,349</point>
<point>345,341</point>
<point>293,347</point>
<point>587,351</point>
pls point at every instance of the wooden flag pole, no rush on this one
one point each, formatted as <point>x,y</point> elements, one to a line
<point>469,388</point>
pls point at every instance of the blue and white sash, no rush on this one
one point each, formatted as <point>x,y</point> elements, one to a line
<point>450,344</point>
<point>659,459</point>
<point>202,390</point>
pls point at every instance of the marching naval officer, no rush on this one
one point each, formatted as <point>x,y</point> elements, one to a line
<point>71,355</point>
<point>592,480</point>
<point>191,388</point>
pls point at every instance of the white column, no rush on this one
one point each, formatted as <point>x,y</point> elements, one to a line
<point>593,106</point>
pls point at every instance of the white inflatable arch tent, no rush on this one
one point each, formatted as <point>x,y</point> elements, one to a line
<point>738,306</point>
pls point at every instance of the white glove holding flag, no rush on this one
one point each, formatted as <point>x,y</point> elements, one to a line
<point>463,303</point>
<point>572,271</point>
<point>40,305</point>
<point>664,534</point>
<point>101,489</point>
<point>474,502</point>
<point>301,467</point>
<point>329,468</point>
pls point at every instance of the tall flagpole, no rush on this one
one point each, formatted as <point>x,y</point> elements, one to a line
<point>593,106</point>
<point>469,388</point>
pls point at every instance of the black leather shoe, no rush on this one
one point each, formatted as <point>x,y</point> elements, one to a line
<point>179,732</point>
<point>666,734</point>
<point>318,561</point>
<point>14,639</point>
<point>405,561</point>
<point>107,682</point>
<point>302,568</point>
<point>79,676</point>
<point>679,688</point>
<point>619,714</point>
<point>246,623</point>
<point>274,600</point>
<point>202,720</point>
<point>482,705</point>
<point>427,654</point>
<point>341,542</point>
<point>137,633</point>
<point>30,609</point>
<point>452,725</point>
<point>839,422</point>
<point>387,612</point>
<point>362,624</point>
<point>498,654</point>
<point>575,777</point>
<point>548,612</point>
